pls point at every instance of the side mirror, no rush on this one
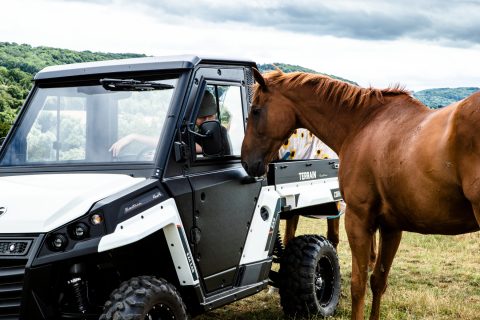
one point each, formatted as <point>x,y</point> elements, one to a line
<point>211,138</point>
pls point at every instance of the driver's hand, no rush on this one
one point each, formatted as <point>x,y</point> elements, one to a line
<point>198,148</point>
<point>117,147</point>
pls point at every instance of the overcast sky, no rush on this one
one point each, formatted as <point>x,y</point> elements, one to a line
<point>417,43</point>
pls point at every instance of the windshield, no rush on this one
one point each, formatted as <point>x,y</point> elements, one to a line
<point>91,124</point>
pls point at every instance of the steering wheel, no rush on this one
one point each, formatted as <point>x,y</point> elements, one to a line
<point>146,154</point>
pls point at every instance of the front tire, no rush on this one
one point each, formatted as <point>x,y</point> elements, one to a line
<point>310,282</point>
<point>145,298</point>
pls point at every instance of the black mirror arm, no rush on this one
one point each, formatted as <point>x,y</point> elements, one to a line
<point>206,135</point>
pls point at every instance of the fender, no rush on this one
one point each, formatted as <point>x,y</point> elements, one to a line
<point>161,216</point>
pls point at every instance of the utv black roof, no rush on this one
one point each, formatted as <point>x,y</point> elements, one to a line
<point>132,65</point>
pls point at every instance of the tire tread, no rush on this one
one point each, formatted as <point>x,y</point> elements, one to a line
<point>297,276</point>
<point>131,299</point>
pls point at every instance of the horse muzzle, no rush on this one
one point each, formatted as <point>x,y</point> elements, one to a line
<point>255,168</point>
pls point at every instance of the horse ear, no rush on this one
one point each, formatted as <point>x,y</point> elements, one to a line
<point>259,79</point>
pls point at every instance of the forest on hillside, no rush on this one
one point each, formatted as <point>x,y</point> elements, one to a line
<point>294,68</point>
<point>20,62</point>
<point>441,97</point>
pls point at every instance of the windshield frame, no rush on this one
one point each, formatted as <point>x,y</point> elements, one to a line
<point>136,168</point>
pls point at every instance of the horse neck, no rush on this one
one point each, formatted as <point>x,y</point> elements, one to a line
<point>331,121</point>
<point>328,126</point>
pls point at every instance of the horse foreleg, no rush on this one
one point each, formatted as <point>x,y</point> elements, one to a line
<point>290,229</point>
<point>389,242</point>
<point>360,239</point>
<point>333,229</point>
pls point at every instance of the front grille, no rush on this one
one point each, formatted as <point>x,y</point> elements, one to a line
<point>10,247</point>
<point>12,272</point>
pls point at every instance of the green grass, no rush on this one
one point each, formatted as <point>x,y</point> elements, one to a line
<point>432,277</point>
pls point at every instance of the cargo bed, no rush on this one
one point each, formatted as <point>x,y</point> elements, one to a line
<point>308,187</point>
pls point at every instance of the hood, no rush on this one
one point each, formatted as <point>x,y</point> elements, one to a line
<point>41,203</point>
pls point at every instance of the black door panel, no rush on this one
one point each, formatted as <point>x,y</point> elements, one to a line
<point>223,209</point>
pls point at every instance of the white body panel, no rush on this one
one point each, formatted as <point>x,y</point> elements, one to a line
<point>254,249</point>
<point>41,203</point>
<point>309,193</point>
<point>297,195</point>
<point>161,216</point>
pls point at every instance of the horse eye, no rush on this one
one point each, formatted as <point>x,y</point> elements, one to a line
<point>256,111</point>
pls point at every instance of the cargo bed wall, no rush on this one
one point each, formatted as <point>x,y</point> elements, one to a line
<point>306,184</point>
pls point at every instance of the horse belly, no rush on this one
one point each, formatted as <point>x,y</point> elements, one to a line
<point>427,193</point>
<point>430,212</point>
<point>410,175</point>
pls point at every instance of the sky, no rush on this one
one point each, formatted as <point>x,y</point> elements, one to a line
<point>415,43</point>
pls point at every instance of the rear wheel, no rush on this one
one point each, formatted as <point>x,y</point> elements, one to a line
<point>145,298</point>
<point>309,277</point>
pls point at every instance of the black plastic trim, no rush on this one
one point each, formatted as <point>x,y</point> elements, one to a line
<point>232,295</point>
<point>111,207</point>
<point>191,264</point>
<point>81,248</point>
<point>326,210</point>
<point>301,170</point>
<point>221,280</point>
<point>255,272</point>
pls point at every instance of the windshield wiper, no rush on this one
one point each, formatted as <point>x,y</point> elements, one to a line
<point>133,85</point>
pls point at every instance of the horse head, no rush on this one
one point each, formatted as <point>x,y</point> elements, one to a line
<point>263,138</point>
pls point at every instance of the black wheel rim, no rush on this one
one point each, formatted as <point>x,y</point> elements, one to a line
<point>324,281</point>
<point>160,312</point>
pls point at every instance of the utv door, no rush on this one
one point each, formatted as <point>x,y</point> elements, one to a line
<point>223,197</point>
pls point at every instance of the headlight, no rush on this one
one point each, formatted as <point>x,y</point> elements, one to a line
<point>58,242</point>
<point>96,219</point>
<point>80,231</point>
<point>66,238</point>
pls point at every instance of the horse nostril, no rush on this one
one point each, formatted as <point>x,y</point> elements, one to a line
<point>255,169</point>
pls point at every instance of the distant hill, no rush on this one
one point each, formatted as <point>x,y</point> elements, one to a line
<point>441,97</point>
<point>294,68</point>
<point>20,62</point>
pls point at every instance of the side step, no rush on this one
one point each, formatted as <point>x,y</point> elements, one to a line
<point>232,295</point>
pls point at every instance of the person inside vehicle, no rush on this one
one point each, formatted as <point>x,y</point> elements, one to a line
<point>207,112</point>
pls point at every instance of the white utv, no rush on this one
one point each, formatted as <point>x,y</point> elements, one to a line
<point>109,211</point>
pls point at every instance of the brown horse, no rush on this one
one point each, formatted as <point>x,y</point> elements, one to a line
<point>403,167</point>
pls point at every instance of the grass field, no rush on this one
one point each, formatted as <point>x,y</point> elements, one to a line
<point>432,277</point>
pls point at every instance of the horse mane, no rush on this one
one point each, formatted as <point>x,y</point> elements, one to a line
<point>333,90</point>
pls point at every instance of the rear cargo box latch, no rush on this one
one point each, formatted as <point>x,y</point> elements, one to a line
<point>335,165</point>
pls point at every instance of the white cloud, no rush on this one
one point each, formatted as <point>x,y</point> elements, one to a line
<point>137,27</point>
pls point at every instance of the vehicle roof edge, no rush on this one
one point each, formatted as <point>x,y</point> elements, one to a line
<point>134,64</point>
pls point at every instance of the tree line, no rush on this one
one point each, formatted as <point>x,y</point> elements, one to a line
<point>20,62</point>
